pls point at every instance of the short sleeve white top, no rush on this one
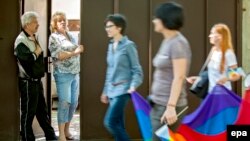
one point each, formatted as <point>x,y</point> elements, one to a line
<point>214,74</point>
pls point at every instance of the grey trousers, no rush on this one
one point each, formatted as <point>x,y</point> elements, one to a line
<point>155,117</point>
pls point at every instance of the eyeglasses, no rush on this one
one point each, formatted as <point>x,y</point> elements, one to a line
<point>109,26</point>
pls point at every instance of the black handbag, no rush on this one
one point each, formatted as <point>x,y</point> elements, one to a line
<point>201,84</point>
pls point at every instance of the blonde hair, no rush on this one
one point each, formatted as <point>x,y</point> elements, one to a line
<point>226,42</point>
<point>55,18</point>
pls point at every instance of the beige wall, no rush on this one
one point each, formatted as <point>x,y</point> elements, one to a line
<point>39,6</point>
<point>246,36</point>
<point>70,7</point>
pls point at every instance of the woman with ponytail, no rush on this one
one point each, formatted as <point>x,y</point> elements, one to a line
<point>222,59</point>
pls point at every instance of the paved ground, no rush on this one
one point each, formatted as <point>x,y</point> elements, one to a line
<point>74,128</point>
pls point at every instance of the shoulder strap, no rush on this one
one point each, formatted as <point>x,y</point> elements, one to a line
<point>207,60</point>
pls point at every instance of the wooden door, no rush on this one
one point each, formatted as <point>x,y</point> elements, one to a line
<point>9,97</point>
<point>93,13</point>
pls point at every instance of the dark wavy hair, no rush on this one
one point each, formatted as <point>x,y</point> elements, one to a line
<point>171,15</point>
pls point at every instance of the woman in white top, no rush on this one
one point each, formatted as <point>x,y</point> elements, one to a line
<point>222,59</point>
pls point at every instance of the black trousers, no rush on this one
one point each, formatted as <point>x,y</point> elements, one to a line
<point>33,104</point>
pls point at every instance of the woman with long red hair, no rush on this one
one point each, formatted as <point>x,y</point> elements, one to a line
<point>222,58</point>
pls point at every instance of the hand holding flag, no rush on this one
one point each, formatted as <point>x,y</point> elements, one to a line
<point>169,116</point>
<point>165,134</point>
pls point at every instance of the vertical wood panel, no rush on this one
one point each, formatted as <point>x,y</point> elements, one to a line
<point>9,97</point>
<point>137,13</point>
<point>195,31</point>
<point>223,11</point>
<point>93,67</point>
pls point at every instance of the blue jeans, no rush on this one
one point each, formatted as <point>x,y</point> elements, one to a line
<point>68,92</point>
<point>114,118</point>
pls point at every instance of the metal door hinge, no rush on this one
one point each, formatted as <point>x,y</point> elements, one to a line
<point>49,64</point>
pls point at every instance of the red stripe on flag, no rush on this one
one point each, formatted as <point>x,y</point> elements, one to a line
<point>244,114</point>
<point>192,135</point>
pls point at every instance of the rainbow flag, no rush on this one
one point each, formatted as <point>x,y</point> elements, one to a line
<point>165,134</point>
<point>142,109</point>
<point>244,114</point>
<point>209,121</point>
<point>236,71</point>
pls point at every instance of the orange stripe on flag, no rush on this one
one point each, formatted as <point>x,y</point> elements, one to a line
<point>176,136</point>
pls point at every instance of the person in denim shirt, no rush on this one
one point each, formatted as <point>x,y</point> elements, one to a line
<point>66,60</point>
<point>124,74</point>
